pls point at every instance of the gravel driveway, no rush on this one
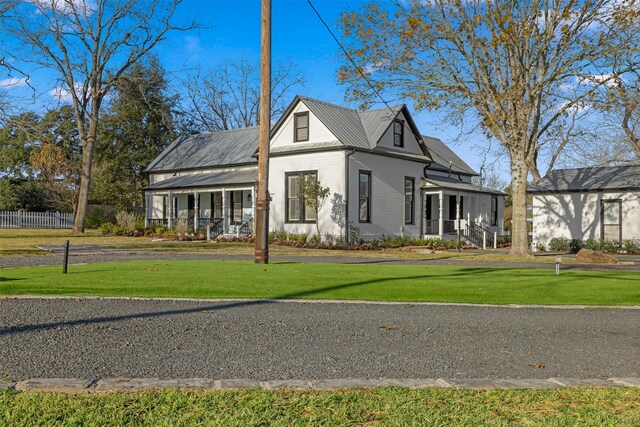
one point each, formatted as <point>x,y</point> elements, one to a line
<point>98,338</point>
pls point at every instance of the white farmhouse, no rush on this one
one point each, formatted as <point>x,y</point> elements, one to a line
<point>385,178</point>
<point>588,203</point>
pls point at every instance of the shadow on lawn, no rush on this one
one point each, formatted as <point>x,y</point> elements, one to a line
<point>464,272</point>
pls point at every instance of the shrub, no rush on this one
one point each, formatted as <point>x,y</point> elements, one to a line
<point>575,245</point>
<point>128,220</point>
<point>107,228</point>
<point>181,226</point>
<point>632,246</point>
<point>559,244</point>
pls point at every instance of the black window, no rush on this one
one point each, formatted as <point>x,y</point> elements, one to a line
<point>494,211</point>
<point>398,133</point>
<point>301,127</point>
<point>364,205</point>
<point>191,202</point>
<point>453,207</point>
<point>409,200</point>
<point>295,209</point>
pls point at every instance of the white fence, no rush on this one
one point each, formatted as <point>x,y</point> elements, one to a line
<point>23,219</point>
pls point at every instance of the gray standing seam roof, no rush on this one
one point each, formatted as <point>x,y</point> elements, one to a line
<point>209,150</point>
<point>589,179</point>
<point>451,183</point>
<point>210,179</point>
<point>442,155</point>
<point>344,122</point>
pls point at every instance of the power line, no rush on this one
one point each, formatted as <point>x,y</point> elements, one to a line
<point>373,88</point>
<point>349,56</point>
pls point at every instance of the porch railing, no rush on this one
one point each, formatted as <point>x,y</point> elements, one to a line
<point>215,228</point>
<point>432,226</point>
<point>158,222</point>
<point>478,235</point>
<point>246,229</point>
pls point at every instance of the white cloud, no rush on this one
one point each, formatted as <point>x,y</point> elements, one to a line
<point>86,7</point>
<point>62,94</point>
<point>13,82</point>
<point>607,79</point>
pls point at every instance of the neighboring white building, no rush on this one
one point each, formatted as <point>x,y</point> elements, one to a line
<point>589,203</point>
<point>385,177</point>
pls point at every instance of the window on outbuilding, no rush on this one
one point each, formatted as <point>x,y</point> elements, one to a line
<point>398,133</point>
<point>364,190</point>
<point>409,200</point>
<point>295,208</point>
<point>301,127</point>
<point>494,211</point>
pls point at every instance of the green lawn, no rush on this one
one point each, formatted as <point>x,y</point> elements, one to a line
<point>380,282</point>
<point>384,406</point>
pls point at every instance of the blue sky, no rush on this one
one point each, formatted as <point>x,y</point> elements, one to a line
<point>232,31</point>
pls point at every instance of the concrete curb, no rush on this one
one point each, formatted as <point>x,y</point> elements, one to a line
<point>83,386</point>
<point>323,301</point>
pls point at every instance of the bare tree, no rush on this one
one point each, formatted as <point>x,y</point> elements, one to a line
<point>89,44</point>
<point>515,67</point>
<point>229,96</point>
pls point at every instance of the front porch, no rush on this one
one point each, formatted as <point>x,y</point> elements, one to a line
<point>472,215</point>
<point>214,211</point>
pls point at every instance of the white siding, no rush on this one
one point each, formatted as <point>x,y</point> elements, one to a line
<point>577,215</point>
<point>330,167</point>
<point>387,195</point>
<point>410,143</point>
<point>318,132</point>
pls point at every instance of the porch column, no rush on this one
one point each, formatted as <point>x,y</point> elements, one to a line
<point>225,215</point>
<point>147,209</point>
<point>458,210</point>
<point>196,209</point>
<point>253,202</point>
<point>441,214</point>
<point>170,201</point>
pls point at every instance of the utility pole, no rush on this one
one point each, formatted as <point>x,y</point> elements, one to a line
<point>262,202</point>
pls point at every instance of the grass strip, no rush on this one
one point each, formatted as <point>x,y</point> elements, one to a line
<point>383,406</point>
<point>372,282</point>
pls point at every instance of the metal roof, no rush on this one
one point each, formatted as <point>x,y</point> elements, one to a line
<point>343,122</point>
<point>442,155</point>
<point>211,179</point>
<point>455,184</point>
<point>209,150</point>
<point>589,179</point>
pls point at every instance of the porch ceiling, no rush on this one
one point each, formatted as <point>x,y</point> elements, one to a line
<point>454,184</point>
<point>211,179</point>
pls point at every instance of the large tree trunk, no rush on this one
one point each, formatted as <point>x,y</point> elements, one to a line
<point>519,230</point>
<point>85,180</point>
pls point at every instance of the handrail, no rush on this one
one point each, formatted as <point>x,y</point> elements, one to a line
<point>478,235</point>
<point>246,229</point>
<point>216,227</point>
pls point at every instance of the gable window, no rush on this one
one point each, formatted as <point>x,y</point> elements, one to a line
<point>494,211</point>
<point>409,200</point>
<point>398,133</point>
<point>364,191</point>
<point>301,127</point>
<point>295,209</point>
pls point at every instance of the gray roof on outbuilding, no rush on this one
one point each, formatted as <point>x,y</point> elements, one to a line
<point>589,179</point>
<point>456,184</point>
<point>230,147</point>
<point>210,179</point>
